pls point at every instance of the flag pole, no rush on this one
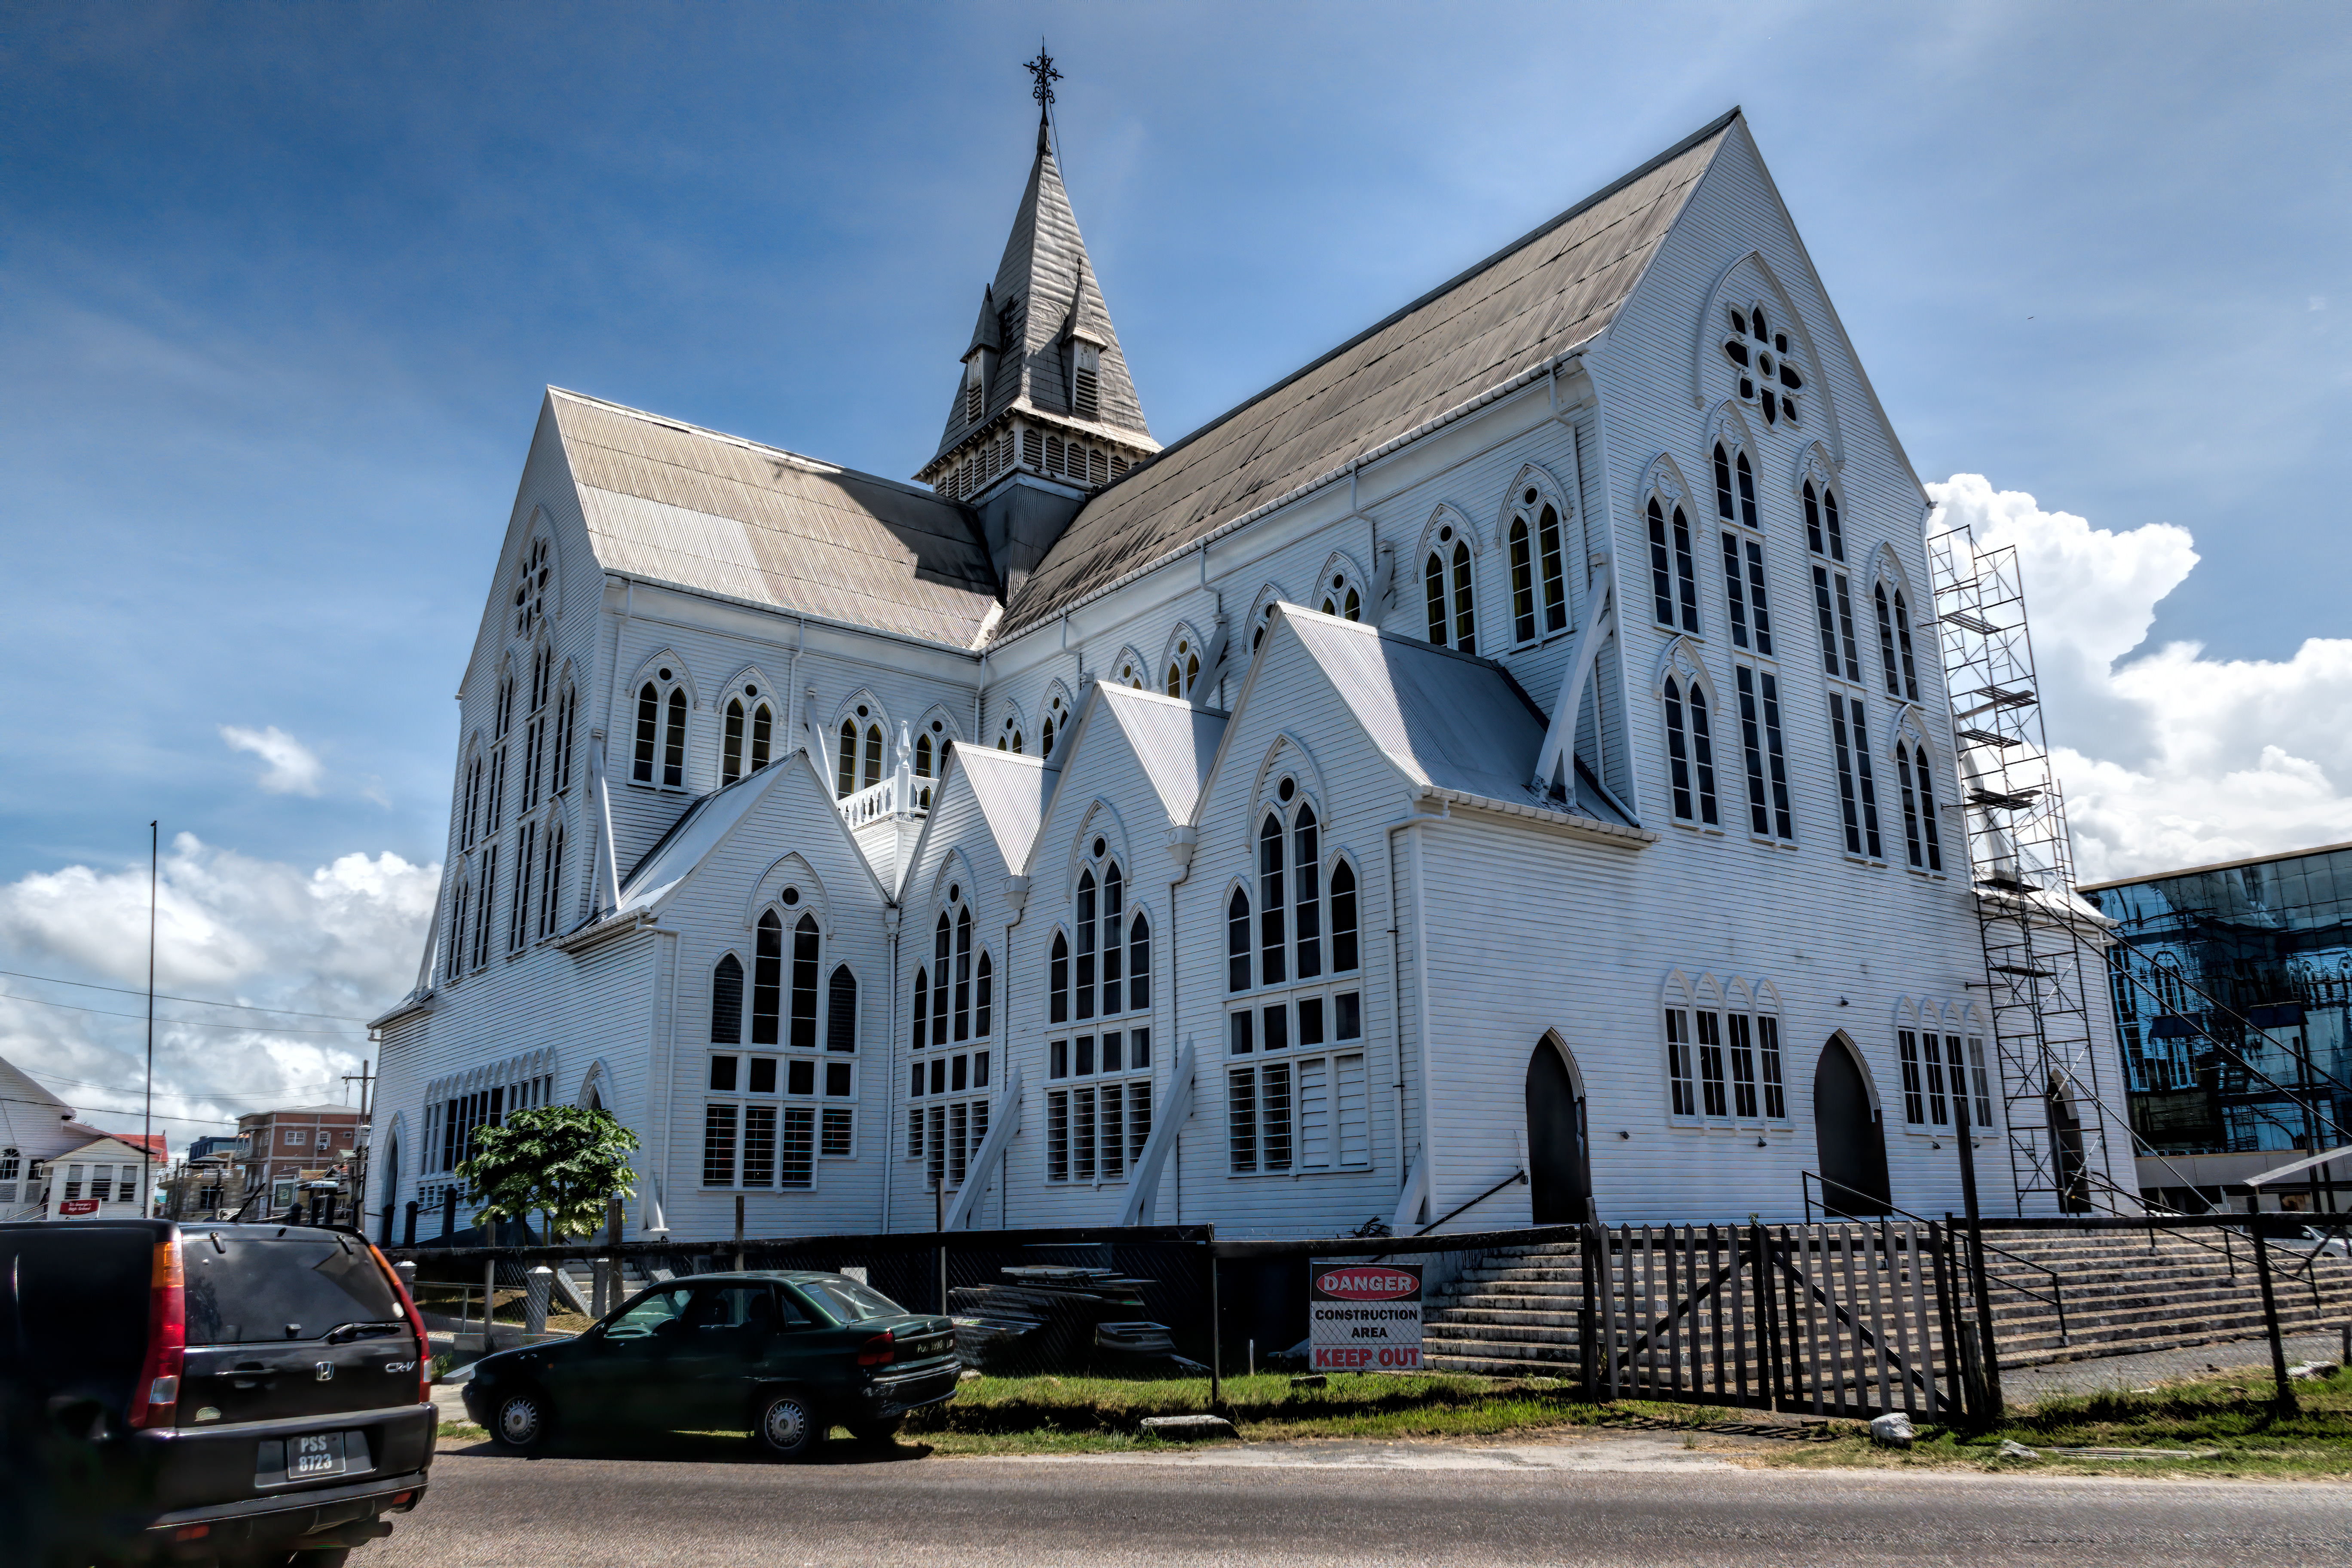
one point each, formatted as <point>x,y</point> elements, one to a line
<point>147,1118</point>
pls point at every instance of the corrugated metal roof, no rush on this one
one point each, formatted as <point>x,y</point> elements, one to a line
<point>1540,296</point>
<point>670,503</point>
<point>1012,792</point>
<point>1445,719</point>
<point>692,837</point>
<point>1175,742</point>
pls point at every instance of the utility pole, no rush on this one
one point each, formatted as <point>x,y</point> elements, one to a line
<point>366,1078</point>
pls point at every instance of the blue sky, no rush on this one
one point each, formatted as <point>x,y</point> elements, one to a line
<point>280,287</point>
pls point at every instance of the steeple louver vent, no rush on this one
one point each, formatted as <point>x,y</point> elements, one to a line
<point>974,402</point>
<point>1088,399</point>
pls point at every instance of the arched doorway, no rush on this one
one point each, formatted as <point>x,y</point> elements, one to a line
<point>391,1184</point>
<point>1848,1136</point>
<point>1559,1173</point>
<point>2066,1146</point>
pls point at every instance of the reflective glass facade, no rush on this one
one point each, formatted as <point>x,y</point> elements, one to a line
<point>2233,998</point>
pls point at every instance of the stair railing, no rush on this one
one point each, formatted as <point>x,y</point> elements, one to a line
<point>2056,1299</point>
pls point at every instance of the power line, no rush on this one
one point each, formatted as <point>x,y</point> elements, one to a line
<point>200,1094</point>
<point>109,1110</point>
<point>188,1023</point>
<point>199,1001</point>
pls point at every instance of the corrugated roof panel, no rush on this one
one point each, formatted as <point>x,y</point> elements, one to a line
<point>1544,295</point>
<point>1443,718</point>
<point>1011,793</point>
<point>711,513</point>
<point>1175,742</point>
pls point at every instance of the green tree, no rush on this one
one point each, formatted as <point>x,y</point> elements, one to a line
<point>562,1162</point>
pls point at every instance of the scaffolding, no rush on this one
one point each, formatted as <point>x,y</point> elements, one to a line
<point>2043,947</point>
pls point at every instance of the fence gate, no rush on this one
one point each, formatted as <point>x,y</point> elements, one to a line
<point>1846,1320</point>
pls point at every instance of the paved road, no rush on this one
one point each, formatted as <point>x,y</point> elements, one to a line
<point>1616,1500</point>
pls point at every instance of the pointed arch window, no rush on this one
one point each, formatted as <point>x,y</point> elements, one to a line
<point>1089,896</point>
<point>1138,963</point>
<point>1054,727</point>
<point>648,733</point>
<point>1690,754</point>
<point>1183,667</point>
<point>731,752</point>
<point>519,904</point>
<point>921,1014</point>
<point>858,759</point>
<point>537,729</point>
<point>1341,598</point>
<point>841,1010</point>
<point>1237,942</point>
<point>1307,876</point>
<point>1759,354</point>
<point>1857,790</point>
<point>551,879</point>
<point>471,800</point>
<point>1272,967</point>
<point>1920,839</point>
<point>1903,646</point>
<point>727,1002</point>
<point>747,736</point>
<point>487,889</point>
<point>1447,583</point>
<point>1258,623</point>
<point>567,725</point>
<point>767,979</point>
<point>461,907</point>
<point>1345,955</point>
<point>1673,574</point>
<point>942,959</point>
<point>804,971</point>
<point>1057,980</point>
<point>1008,735</point>
<point>674,742</point>
<point>1539,575</point>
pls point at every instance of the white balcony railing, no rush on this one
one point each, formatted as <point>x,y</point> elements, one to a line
<point>900,795</point>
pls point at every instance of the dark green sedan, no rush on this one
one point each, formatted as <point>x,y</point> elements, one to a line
<point>788,1354</point>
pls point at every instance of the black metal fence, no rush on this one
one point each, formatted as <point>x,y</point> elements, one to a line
<point>1843,1318</point>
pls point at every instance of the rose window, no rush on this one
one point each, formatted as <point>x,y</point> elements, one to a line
<point>1760,355</point>
<point>530,589</point>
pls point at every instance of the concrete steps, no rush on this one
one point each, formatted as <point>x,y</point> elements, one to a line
<point>1516,1311</point>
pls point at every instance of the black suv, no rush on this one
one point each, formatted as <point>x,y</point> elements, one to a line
<point>786,1354</point>
<point>243,1394</point>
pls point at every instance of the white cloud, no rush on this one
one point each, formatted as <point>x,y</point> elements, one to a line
<point>294,769</point>
<point>340,940</point>
<point>2170,758</point>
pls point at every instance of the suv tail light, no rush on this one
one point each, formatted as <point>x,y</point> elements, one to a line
<point>415,1321</point>
<point>157,1401</point>
<point>880,1351</point>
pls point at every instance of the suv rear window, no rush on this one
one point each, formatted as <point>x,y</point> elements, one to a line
<point>247,1290</point>
<point>73,1309</point>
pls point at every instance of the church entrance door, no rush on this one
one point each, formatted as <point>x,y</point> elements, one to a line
<point>2067,1142</point>
<point>1847,1134</point>
<point>1559,1176</point>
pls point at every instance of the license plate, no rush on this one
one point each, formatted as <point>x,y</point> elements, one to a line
<point>318,1454</point>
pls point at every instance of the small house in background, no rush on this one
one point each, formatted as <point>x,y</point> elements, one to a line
<point>105,1177</point>
<point>44,1150</point>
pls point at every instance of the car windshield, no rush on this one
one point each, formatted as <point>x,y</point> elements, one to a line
<point>849,1301</point>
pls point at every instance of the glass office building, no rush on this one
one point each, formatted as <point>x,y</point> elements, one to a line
<point>2232,989</point>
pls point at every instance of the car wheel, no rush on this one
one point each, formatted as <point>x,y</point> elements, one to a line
<point>522,1420</point>
<point>875,1431</point>
<point>788,1425</point>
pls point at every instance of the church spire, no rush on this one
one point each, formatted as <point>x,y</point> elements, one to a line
<point>1044,391</point>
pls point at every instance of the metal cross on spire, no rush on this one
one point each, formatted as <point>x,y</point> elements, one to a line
<point>1042,70</point>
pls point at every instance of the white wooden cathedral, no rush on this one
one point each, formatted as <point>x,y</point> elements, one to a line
<point>1514,741</point>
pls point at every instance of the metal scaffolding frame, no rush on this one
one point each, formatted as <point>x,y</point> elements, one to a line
<point>2043,947</point>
